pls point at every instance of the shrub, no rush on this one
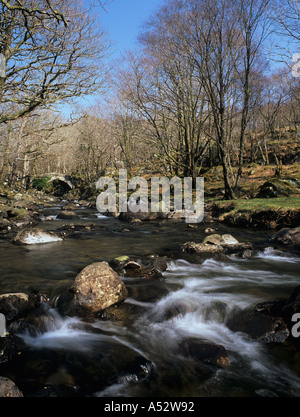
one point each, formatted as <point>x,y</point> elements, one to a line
<point>42,184</point>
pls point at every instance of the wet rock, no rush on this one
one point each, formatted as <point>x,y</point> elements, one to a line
<point>217,311</point>
<point>16,305</point>
<point>260,325</point>
<point>35,236</point>
<point>95,288</point>
<point>180,215</point>
<point>289,237</point>
<point>33,322</point>
<point>79,374</point>
<point>122,314</point>
<point>205,352</point>
<point>5,225</point>
<point>11,347</point>
<point>146,290</point>
<point>8,388</point>
<point>289,307</point>
<point>136,221</point>
<point>216,244</point>
<point>216,239</point>
<point>210,230</point>
<point>142,216</point>
<point>199,248</point>
<point>19,214</point>
<point>148,267</point>
<point>247,254</point>
<point>267,329</point>
<point>22,217</point>
<point>70,207</point>
<point>67,215</point>
<point>170,313</point>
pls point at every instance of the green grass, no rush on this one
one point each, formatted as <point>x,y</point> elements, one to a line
<point>258,204</point>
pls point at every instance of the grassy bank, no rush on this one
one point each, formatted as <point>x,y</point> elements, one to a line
<point>272,213</point>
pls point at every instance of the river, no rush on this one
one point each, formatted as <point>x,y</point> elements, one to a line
<point>138,356</point>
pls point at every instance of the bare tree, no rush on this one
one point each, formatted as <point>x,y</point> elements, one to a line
<point>215,41</point>
<point>26,141</point>
<point>52,50</point>
<point>252,20</point>
<point>286,16</point>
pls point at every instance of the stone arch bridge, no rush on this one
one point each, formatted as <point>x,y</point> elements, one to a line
<point>62,178</point>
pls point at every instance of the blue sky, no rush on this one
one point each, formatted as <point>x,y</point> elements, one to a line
<point>123,20</point>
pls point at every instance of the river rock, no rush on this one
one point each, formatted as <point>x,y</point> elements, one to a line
<point>260,324</point>
<point>180,215</point>
<point>8,388</point>
<point>287,308</point>
<point>289,237</point>
<point>216,244</point>
<point>5,226</point>
<point>171,312</point>
<point>67,215</point>
<point>16,305</point>
<point>11,347</point>
<point>205,352</point>
<point>143,216</point>
<point>19,214</point>
<point>201,248</point>
<point>36,236</point>
<point>95,288</point>
<point>148,267</point>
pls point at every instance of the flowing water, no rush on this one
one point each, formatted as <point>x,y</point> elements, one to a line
<point>139,355</point>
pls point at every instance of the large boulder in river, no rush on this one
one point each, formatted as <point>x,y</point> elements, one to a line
<point>8,388</point>
<point>35,236</point>
<point>95,288</point>
<point>287,237</point>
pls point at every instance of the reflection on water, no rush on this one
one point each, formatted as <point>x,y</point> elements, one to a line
<point>192,301</point>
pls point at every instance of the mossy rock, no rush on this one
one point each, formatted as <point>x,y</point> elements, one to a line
<point>19,214</point>
<point>278,188</point>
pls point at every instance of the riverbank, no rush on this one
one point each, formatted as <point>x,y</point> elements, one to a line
<point>257,213</point>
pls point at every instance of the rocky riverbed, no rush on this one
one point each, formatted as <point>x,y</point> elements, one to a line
<point>106,307</point>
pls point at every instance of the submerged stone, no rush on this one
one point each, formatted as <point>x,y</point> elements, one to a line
<point>206,352</point>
